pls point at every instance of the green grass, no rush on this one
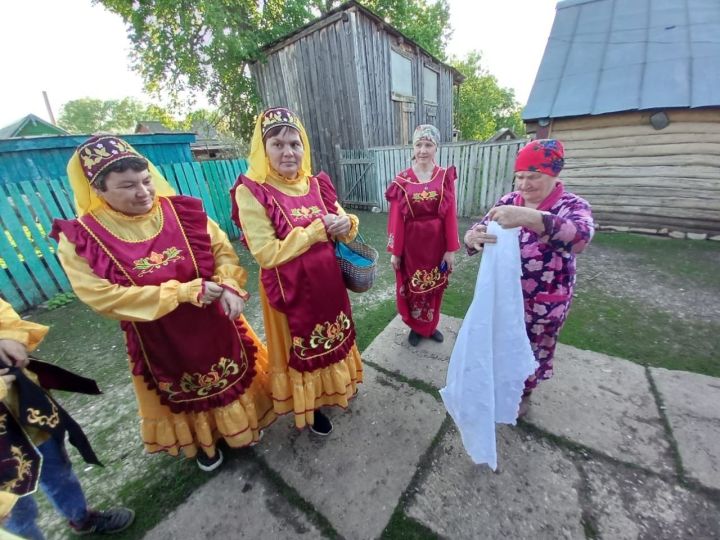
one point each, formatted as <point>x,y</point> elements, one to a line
<point>629,330</point>
<point>696,262</point>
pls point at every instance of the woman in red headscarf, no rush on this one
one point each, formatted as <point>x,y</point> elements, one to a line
<point>153,260</point>
<point>290,219</point>
<point>556,226</point>
<point>422,235</point>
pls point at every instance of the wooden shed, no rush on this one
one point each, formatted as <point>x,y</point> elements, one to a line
<point>356,82</point>
<point>633,90</point>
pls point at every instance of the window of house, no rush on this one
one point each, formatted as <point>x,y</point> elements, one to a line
<point>430,85</point>
<point>401,69</point>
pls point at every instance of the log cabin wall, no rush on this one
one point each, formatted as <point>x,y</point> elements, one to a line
<point>638,177</point>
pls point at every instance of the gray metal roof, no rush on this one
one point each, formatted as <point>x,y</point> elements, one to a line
<point>607,56</point>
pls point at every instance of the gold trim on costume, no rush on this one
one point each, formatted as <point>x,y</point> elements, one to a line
<point>328,335</point>
<point>425,195</point>
<point>424,280</point>
<point>34,417</point>
<point>24,466</point>
<point>202,383</point>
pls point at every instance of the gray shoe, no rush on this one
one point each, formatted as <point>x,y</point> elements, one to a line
<point>107,522</point>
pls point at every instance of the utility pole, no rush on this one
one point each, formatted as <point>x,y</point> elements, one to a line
<point>49,108</point>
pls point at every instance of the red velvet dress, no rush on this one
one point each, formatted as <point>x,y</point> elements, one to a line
<point>422,227</point>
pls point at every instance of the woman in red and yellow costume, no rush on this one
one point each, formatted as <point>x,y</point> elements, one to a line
<point>422,235</point>
<point>290,219</point>
<point>154,261</point>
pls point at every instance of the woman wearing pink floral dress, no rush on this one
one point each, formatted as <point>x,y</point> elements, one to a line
<point>556,226</point>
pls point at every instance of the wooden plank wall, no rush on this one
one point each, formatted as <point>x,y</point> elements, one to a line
<point>336,76</point>
<point>30,272</point>
<point>639,177</point>
<point>485,173</point>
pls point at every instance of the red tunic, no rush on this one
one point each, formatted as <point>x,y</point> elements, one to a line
<point>422,227</point>
<point>194,358</point>
<point>309,289</point>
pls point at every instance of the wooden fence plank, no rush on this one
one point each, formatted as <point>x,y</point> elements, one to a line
<point>39,237</point>
<point>30,273</point>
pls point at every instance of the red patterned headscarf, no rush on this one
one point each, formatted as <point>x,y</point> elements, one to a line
<point>543,155</point>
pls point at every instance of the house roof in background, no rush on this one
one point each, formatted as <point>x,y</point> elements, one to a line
<point>152,126</point>
<point>12,130</point>
<point>606,56</point>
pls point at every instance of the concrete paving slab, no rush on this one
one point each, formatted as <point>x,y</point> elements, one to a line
<point>355,477</point>
<point>629,504</point>
<point>692,405</point>
<point>604,403</point>
<point>427,362</point>
<point>238,503</point>
<point>535,494</point>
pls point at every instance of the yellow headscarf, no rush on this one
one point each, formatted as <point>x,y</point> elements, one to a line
<point>258,163</point>
<point>80,177</point>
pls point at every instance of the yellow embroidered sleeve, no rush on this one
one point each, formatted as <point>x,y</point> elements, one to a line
<point>354,224</point>
<point>269,251</point>
<point>133,303</point>
<point>13,327</point>
<point>228,271</point>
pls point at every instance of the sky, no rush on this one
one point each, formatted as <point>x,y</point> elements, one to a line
<point>74,49</point>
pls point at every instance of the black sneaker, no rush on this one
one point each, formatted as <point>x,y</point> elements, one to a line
<point>437,336</point>
<point>322,426</point>
<point>207,463</point>
<point>414,338</point>
<point>107,522</point>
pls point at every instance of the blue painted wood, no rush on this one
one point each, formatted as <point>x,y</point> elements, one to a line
<point>66,205</point>
<point>39,271</point>
<point>39,238</point>
<point>33,158</point>
<point>23,281</point>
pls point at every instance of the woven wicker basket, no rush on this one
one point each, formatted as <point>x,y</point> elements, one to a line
<point>357,278</point>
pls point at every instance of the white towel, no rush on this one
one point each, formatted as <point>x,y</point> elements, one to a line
<point>492,357</point>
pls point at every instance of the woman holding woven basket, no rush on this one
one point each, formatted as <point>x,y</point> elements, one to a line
<point>290,221</point>
<point>422,235</point>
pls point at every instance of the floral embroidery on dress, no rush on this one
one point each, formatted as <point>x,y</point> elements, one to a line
<point>324,336</point>
<point>425,195</point>
<point>391,240</point>
<point>305,212</point>
<point>23,468</point>
<point>155,260</point>
<point>424,280</point>
<point>202,383</point>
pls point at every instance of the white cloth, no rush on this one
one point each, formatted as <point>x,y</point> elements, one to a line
<point>492,357</point>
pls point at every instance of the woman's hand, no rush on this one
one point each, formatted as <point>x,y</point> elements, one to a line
<point>211,292</point>
<point>476,237</point>
<point>508,217</point>
<point>13,353</point>
<point>449,259</point>
<point>6,377</point>
<point>232,305</point>
<point>395,262</point>
<point>336,225</point>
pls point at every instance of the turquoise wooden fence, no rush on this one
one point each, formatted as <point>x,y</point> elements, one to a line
<point>30,272</point>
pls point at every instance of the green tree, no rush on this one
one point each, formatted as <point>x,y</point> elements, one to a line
<point>186,47</point>
<point>88,115</point>
<point>483,106</point>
